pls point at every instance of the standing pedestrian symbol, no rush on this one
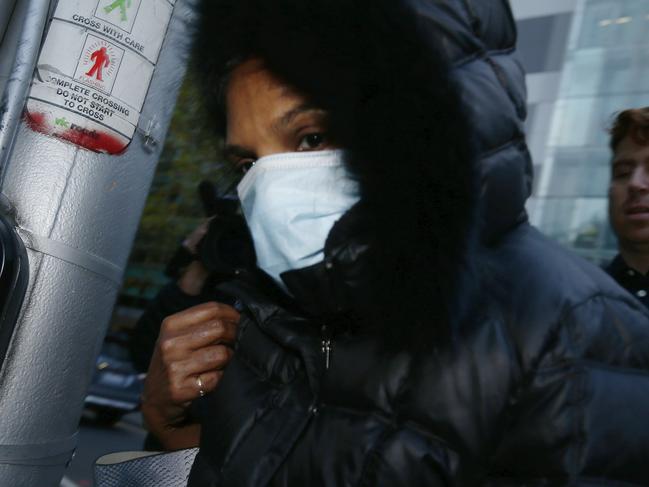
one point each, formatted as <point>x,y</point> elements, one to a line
<point>99,63</point>
<point>101,60</point>
<point>122,5</point>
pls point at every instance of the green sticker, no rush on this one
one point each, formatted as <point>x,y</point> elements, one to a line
<point>123,5</point>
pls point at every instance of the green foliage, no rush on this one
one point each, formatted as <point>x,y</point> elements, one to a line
<point>192,153</point>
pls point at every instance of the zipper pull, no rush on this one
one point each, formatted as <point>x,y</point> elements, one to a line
<point>326,347</point>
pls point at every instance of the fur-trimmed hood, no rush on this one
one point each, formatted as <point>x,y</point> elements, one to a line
<point>386,71</point>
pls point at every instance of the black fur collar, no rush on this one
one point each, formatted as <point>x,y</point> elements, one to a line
<point>395,108</point>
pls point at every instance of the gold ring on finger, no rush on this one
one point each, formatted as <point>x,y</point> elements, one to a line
<point>199,383</point>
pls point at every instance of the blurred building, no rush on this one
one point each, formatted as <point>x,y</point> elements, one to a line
<point>586,60</point>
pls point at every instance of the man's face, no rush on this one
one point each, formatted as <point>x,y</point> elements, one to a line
<point>629,194</point>
<point>265,117</point>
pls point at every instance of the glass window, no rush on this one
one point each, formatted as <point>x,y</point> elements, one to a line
<point>580,172</point>
<point>600,72</point>
<point>542,42</point>
<point>614,23</point>
<point>580,223</point>
<point>584,122</point>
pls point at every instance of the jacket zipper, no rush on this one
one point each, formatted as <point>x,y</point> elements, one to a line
<point>326,346</point>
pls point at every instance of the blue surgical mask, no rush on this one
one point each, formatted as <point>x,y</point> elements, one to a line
<point>291,201</point>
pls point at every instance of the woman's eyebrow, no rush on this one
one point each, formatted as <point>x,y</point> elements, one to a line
<point>285,119</point>
<point>232,152</point>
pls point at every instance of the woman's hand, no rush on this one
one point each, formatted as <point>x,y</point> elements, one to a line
<point>192,350</point>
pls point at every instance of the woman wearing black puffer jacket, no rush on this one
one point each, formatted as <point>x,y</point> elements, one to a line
<point>406,325</point>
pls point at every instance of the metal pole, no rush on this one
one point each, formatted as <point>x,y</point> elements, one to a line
<point>6,9</point>
<point>19,52</point>
<point>77,212</point>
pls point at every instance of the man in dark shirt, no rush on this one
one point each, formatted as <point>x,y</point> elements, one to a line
<point>629,201</point>
<point>634,281</point>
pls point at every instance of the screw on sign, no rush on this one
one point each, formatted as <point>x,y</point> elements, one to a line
<point>101,60</point>
<point>122,5</point>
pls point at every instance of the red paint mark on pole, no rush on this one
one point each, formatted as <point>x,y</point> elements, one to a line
<point>94,140</point>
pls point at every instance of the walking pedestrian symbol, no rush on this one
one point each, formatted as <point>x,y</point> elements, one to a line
<point>122,5</point>
<point>99,63</point>
<point>102,60</point>
<point>120,13</point>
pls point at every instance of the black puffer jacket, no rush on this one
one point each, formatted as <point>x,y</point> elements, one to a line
<point>464,347</point>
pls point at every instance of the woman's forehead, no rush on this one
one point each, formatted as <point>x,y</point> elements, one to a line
<point>255,96</point>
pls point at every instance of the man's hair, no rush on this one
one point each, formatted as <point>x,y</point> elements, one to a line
<point>633,123</point>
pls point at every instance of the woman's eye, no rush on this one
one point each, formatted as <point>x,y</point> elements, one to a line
<point>311,142</point>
